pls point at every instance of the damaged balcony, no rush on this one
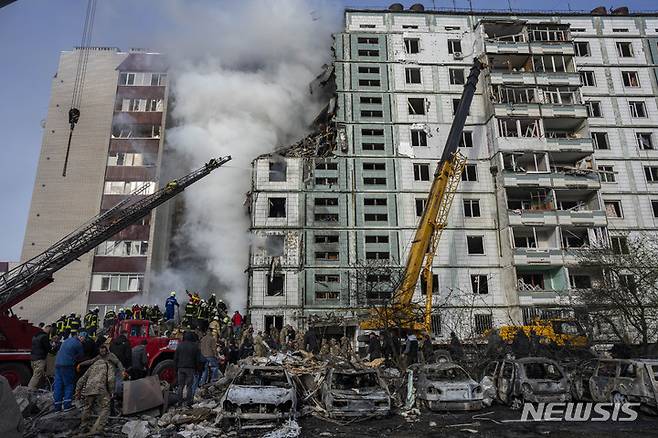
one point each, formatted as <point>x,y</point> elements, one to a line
<point>517,36</point>
<point>566,135</point>
<point>514,69</point>
<point>273,250</point>
<point>536,245</point>
<point>539,101</point>
<point>539,207</point>
<point>540,283</point>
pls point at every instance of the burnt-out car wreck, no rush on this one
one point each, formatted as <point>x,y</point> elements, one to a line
<point>260,393</point>
<point>445,387</point>
<point>355,393</point>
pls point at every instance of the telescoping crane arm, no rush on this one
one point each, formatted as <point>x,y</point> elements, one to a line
<point>34,274</point>
<point>435,216</point>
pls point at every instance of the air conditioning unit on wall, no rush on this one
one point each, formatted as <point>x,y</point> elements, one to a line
<point>457,55</point>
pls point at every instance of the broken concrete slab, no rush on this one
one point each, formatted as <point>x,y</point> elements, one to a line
<point>56,422</point>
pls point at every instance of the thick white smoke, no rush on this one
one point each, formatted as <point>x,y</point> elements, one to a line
<point>240,76</point>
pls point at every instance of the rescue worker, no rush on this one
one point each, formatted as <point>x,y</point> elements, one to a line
<point>214,326</point>
<point>97,387</point>
<point>212,302</point>
<point>208,346</point>
<point>91,322</point>
<point>170,306</point>
<point>221,307</point>
<point>137,311</point>
<point>155,314</point>
<point>283,337</point>
<point>190,314</point>
<point>237,323</point>
<point>129,313</point>
<point>311,342</point>
<point>109,319</point>
<point>202,313</point>
<point>38,356</point>
<point>259,347</point>
<point>63,388</point>
<point>122,314</point>
<point>60,325</point>
<point>73,324</point>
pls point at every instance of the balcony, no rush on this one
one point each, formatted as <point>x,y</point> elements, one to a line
<point>506,47</point>
<point>570,144</point>
<point>557,180</point>
<point>539,256</point>
<point>593,218</point>
<point>540,284</point>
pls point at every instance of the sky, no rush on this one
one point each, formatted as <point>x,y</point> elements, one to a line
<point>34,32</point>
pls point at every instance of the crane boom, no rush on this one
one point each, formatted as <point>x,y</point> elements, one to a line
<point>435,216</point>
<point>27,278</point>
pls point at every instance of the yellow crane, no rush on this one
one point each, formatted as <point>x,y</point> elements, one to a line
<point>432,222</point>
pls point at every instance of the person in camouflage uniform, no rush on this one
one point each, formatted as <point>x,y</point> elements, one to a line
<point>97,386</point>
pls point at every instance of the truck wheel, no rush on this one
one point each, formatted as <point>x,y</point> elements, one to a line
<point>16,373</point>
<point>165,370</point>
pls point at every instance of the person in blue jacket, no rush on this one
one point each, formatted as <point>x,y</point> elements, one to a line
<point>170,306</point>
<point>68,355</point>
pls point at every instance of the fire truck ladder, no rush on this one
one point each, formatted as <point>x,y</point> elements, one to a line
<point>27,278</point>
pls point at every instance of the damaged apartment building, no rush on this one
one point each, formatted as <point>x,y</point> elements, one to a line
<point>561,146</point>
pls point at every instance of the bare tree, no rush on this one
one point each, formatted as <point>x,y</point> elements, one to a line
<point>623,297</point>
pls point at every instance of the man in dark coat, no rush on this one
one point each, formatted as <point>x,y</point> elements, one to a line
<point>187,360</point>
<point>120,347</point>
<point>311,342</point>
<point>38,356</point>
<point>374,347</point>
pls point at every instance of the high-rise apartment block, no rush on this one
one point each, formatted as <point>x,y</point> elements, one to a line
<point>561,142</point>
<point>116,148</point>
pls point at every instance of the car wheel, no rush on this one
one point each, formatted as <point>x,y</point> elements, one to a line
<point>16,373</point>
<point>166,371</point>
<point>619,398</point>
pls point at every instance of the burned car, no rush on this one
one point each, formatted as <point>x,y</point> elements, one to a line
<point>531,379</point>
<point>446,386</point>
<point>260,393</point>
<point>617,381</point>
<point>354,393</point>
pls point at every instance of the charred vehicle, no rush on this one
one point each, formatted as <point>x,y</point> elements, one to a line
<point>446,386</point>
<point>260,393</point>
<point>532,379</point>
<point>354,393</point>
<point>617,381</point>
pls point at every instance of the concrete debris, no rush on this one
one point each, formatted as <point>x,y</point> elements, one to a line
<point>32,401</point>
<point>136,429</point>
<point>289,430</point>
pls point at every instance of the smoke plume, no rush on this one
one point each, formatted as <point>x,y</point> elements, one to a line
<point>239,81</point>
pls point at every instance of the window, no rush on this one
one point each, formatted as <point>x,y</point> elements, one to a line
<point>607,174</point>
<point>454,46</point>
<point>325,295</point>
<point>326,217</point>
<point>378,255</point>
<point>582,48</point>
<point>158,79</point>
<point>470,173</point>
<point>654,207</point>
<point>367,100</point>
<point>600,140</point>
<point>411,45</point>
<point>578,29</point>
<point>325,165</point>
<point>128,187</point>
<point>435,284</point>
<point>367,40</point>
<point>628,282</point>
<point>613,209</point>
<point>418,137</point>
<point>277,207</point>
<point>326,202</point>
<point>369,83</point>
<point>412,75</point>
<point>326,181</point>
<point>326,238</point>
<point>637,109</point>
<point>372,132</point>
<point>372,113</point>
<point>651,173</point>
<point>136,131</point>
<point>327,278</point>
<point>117,282</point>
<point>580,281</point>
<point>368,70</point>
<point>619,245</point>
<point>475,245</point>
<point>619,29</point>
<point>375,217</point>
<point>479,284</point>
<point>416,105</point>
<point>374,166</point>
<point>471,207</point>
<point>374,181</point>
<point>409,26</point>
<point>130,159</point>
<point>374,201</point>
<point>275,285</point>
<point>451,28</point>
<point>456,76</point>
<point>367,26</point>
<point>278,171</point>
<point>630,78</point>
<point>644,141</point>
<point>421,172</point>
<point>587,78</point>
<point>330,256</point>
<point>127,79</point>
<point>368,53</point>
<point>455,105</point>
<point>377,238</point>
<point>420,206</point>
<point>372,146</point>
<point>122,248</point>
<point>593,108</point>
<point>466,140</point>
<point>483,322</point>
<point>624,49</point>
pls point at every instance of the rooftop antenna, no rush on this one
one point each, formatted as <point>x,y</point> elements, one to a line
<point>509,5</point>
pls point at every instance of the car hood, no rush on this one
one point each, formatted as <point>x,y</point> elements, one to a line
<point>358,393</point>
<point>242,394</point>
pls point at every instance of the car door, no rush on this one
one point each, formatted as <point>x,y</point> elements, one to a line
<point>488,381</point>
<point>602,382</point>
<point>505,382</point>
<point>582,379</point>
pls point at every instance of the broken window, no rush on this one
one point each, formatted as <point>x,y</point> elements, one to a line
<point>277,207</point>
<point>326,217</point>
<point>368,53</point>
<point>600,140</point>
<point>455,47</point>
<point>275,285</point>
<point>475,245</point>
<point>377,238</point>
<point>374,166</point>
<point>436,323</point>
<point>374,201</point>
<point>479,284</point>
<point>327,256</point>
<point>326,238</point>
<point>375,217</point>
<point>455,106</point>
<point>530,281</point>
<point>580,281</point>
<point>274,244</point>
<point>278,171</point>
<point>271,378</point>
<point>644,141</point>
<point>607,174</point>
<point>374,181</point>
<point>593,108</point>
<point>418,137</point>
<point>483,322</point>
<point>435,284</point>
<point>651,173</point>
<point>518,127</point>
<point>136,131</point>
<point>421,172</point>
<point>542,371</point>
<point>624,49</point>
<point>470,173</point>
<point>378,255</point>
<point>471,208</point>
<point>354,381</point>
<point>327,278</point>
<point>637,109</point>
<point>466,140</point>
<point>456,76</point>
<point>587,78</point>
<point>325,295</point>
<point>368,70</point>
<point>326,165</point>
<point>416,105</point>
<point>370,100</point>
<point>654,207</point>
<point>630,78</point>
<point>613,209</point>
<point>582,48</point>
<point>412,75</point>
<point>420,206</point>
<point>411,45</point>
